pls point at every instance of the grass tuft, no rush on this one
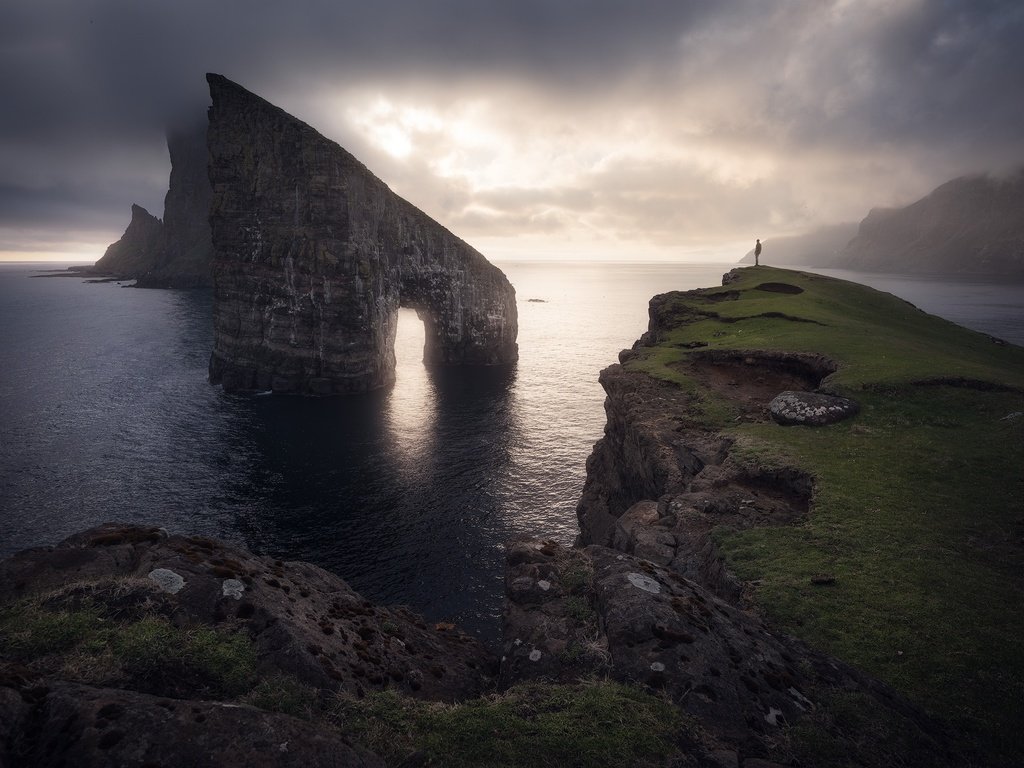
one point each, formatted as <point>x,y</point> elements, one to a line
<point>532,724</point>
<point>86,644</point>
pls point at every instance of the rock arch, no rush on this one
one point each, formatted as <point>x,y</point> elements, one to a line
<point>313,256</point>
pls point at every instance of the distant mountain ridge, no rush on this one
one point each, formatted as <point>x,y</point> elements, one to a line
<point>969,225</point>
<point>972,224</point>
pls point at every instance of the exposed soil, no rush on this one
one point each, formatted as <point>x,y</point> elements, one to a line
<point>779,288</point>
<point>751,380</point>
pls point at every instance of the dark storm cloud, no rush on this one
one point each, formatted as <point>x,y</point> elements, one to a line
<point>96,77</point>
<point>885,94</point>
<point>941,71</point>
<point>81,65</point>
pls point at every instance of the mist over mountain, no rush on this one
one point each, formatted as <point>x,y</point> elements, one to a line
<point>970,225</point>
<point>818,247</point>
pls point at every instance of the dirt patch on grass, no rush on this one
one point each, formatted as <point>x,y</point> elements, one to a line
<point>752,379</point>
<point>779,288</point>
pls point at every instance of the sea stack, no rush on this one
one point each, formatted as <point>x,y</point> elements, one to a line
<point>175,252</point>
<point>314,255</point>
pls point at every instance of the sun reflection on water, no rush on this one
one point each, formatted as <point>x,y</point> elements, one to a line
<point>411,410</point>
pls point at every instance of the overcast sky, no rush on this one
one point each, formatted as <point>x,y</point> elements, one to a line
<point>560,128</point>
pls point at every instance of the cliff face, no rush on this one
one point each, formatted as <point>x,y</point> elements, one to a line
<point>657,450</point>
<point>314,255</point>
<point>699,494</point>
<point>177,253</point>
<point>972,225</point>
<point>139,248</point>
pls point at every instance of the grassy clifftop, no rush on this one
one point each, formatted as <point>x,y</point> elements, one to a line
<point>909,562</point>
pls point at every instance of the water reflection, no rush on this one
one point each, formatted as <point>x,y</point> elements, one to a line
<point>411,407</point>
<point>399,492</point>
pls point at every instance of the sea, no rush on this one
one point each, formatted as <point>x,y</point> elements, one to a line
<point>409,494</point>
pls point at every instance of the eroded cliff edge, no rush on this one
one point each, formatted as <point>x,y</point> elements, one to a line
<point>809,528</point>
<point>314,255</point>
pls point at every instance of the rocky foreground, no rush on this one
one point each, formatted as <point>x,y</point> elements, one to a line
<point>129,646</point>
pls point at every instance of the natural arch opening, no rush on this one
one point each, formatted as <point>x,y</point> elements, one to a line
<point>410,336</point>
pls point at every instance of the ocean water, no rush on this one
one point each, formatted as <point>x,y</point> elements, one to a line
<point>409,494</point>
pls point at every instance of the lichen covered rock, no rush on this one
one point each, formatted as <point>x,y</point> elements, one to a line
<point>811,408</point>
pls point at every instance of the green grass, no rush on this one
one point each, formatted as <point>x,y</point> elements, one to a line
<point>533,724</point>
<point>83,642</point>
<point>878,340</point>
<point>918,510</point>
<point>287,695</point>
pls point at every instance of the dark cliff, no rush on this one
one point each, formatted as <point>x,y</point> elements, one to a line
<point>139,248</point>
<point>742,596</point>
<point>314,255</point>
<point>178,252</point>
<point>838,535</point>
<point>973,225</point>
<point>970,225</point>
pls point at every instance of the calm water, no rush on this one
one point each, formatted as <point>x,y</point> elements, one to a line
<point>409,494</point>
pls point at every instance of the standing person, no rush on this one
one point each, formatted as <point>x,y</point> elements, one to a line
<point>757,252</point>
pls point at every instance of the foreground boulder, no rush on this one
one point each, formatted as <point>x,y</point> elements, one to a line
<point>757,694</point>
<point>125,645</point>
<point>302,621</point>
<point>314,255</point>
<point>811,408</point>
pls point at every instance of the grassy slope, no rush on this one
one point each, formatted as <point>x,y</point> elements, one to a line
<point>919,502</point>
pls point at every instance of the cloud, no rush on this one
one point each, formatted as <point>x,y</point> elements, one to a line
<point>659,122</point>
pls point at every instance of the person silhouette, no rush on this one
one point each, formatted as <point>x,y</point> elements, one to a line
<point>757,252</point>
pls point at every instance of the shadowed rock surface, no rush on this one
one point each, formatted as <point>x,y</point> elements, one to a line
<point>314,255</point>
<point>69,724</point>
<point>138,250</point>
<point>177,252</point>
<point>302,620</point>
<point>572,614</point>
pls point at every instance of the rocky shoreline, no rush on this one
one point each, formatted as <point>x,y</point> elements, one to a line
<point>643,599</point>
